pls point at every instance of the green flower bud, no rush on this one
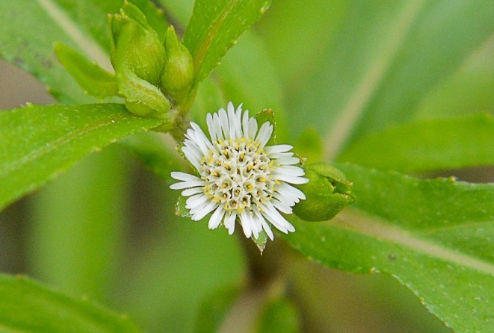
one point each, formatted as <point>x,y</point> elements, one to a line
<point>327,192</point>
<point>135,45</point>
<point>178,72</point>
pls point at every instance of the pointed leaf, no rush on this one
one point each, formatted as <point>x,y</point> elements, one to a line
<point>215,27</point>
<point>28,307</point>
<point>90,76</point>
<point>46,140</point>
<point>33,27</point>
<point>427,145</point>
<point>434,236</point>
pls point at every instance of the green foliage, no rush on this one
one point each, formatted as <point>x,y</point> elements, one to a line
<point>427,145</point>
<point>369,66</point>
<point>434,241</point>
<point>90,76</point>
<point>54,138</point>
<point>215,27</point>
<point>26,306</point>
<point>358,83</point>
<point>327,193</point>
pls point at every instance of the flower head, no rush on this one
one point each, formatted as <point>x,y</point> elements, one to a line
<point>240,178</point>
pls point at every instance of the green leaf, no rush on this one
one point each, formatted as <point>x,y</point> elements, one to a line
<point>279,316</point>
<point>34,26</point>
<point>467,91</point>
<point>427,145</point>
<point>215,27</point>
<point>434,236</point>
<point>215,309</point>
<point>89,75</point>
<point>46,140</point>
<point>27,306</point>
<point>380,61</point>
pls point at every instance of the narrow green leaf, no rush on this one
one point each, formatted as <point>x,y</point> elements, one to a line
<point>434,236</point>
<point>32,28</point>
<point>215,27</point>
<point>215,309</point>
<point>89,75</point>
<point>380,61</point>
<point>468,91</point>
<point>427,145</point>
<point>46,140</point>
<point>27,306</point>
<point>279,316</point>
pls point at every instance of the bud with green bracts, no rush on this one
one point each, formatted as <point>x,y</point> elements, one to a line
<point>327,192</point>
<point>178,72</point>
<point>138,58</point>
<point>135,45</point>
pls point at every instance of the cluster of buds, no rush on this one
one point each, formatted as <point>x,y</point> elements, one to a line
<point>151,75</point>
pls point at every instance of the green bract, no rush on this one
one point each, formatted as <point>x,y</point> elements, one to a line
<point>178,72</point>
<point>327,192</point>
<point>152,77</point>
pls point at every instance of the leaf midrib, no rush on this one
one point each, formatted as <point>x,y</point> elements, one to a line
<point>67,138</point>
<point>210,34</point>
<point>376,228</point>
<point>350,113</point>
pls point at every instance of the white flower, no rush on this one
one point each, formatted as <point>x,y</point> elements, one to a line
<point>240,177</point>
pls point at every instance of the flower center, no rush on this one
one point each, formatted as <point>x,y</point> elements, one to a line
<point>239,175</point>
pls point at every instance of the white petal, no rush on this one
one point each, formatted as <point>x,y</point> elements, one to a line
<point>264,134</point>
<point>245,225</point>
<point>230,222</point>
<point>224,123</point>
<point>293,191</point>
<point>282,207</point>
<point>193,157</point>
<point>196,201</point>
<point>191,191</point>
<point>280,155</point>
<point>201,139</point>
<point>290,179</point>
<point>278,149</point>
<point>289,170</point>
<point>252,128</point>
<point>286,199</point>
<point>277,219</point>
<point>205,211</point>
<point>287,161</point>
<point>217,126</point>
<point>184,176</point>
<point>245,124</point>
<point>267,228</point>
<point>211,127</point>
<point>216,218</point>
<point>182,185</point>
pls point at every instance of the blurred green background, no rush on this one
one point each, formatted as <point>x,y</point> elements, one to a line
<point>106,228</point>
